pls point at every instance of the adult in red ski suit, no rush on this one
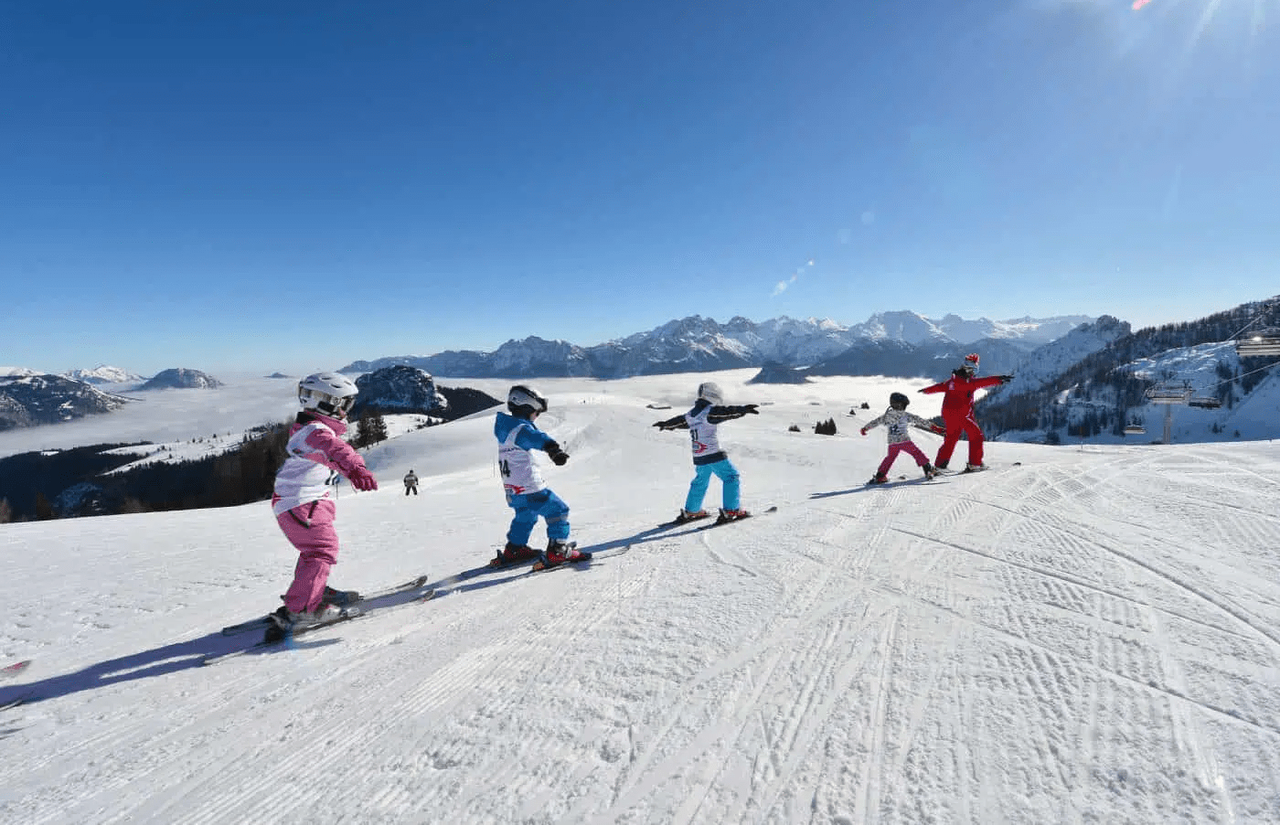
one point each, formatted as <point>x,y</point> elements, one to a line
<point>957,410</point>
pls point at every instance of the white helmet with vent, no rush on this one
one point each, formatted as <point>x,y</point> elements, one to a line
<point>710,391</point>
<point>328,393</point>
<point>525,400</point>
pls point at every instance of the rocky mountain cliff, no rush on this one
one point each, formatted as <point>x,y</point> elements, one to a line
<point>31,400</point>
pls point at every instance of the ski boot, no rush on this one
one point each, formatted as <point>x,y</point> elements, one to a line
<point>686,516</point>
<point>974,468</point>
<point>284,622</point>
<point>930,471</point>
<point>727,516</point>
<point>559,552</point>
<point>340,598</point>
<point>513,554</point>
<point>879,478</point>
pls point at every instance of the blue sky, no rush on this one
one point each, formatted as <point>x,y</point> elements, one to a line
<point>265,185</point>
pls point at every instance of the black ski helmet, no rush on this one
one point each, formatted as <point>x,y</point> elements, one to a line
<point>898,401</point>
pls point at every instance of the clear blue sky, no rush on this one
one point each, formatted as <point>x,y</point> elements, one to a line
<point>269,185</point>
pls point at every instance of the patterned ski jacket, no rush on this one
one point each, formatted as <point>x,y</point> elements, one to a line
<point>316,453</point>
<point>701,422</point>
<point>516,437</point>
<point>899,424</point>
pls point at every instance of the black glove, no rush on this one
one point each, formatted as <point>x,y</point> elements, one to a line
<point>751,409</point>
<point>558,456</point>
<point>1005,379</point>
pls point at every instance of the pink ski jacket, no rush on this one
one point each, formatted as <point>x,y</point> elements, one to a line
<point>316,451</point>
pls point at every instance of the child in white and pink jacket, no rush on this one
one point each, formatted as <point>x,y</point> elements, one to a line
<point>304,503</point>
<point>899,423</point>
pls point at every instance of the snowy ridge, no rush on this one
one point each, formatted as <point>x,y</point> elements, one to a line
<point>1089,635</point>
<point>696,344</point>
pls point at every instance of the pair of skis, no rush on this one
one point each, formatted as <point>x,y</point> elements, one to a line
<point>353,611</point>
<point>717,523</point>
<point>263,622</point>
<point>346,613</point>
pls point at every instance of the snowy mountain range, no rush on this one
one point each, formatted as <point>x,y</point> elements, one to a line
<point>698,344</point>
<point>103,374</point>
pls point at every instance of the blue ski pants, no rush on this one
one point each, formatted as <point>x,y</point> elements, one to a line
<point>531,505</point>
<point>702,480</point>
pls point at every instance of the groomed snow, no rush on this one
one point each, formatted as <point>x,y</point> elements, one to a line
<point>1076,635</point>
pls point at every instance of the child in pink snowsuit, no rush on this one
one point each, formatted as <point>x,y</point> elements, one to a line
<point>303,502</point>
<point>899,423</point>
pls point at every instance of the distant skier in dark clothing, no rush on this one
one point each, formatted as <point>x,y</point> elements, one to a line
<point>701,421</point>
<point>411,483</point>
<point>957,411</point>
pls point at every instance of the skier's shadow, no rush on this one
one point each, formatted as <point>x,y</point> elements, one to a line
<point>164,660</point>
<point>180,656</point>
<point>832,493</point>
<point>462,582</point>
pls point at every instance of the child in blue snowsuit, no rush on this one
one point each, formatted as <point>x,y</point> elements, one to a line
<point>701,421</point>
<point>522,482</point>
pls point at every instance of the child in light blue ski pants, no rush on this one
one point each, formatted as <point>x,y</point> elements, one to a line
<point>702,479</point>
<point>531,505</point>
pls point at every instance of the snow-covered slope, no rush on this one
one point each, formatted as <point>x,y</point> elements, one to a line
<point>1074,636</point>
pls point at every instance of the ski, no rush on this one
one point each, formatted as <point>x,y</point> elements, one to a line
<point>719,523</point>
<point>934,479</point>
<point>15,669</point>
<point>348,613</point>
<point>262,622</point>
<point>13,703</point>
<point>677,522</point>
<point>582,557</point>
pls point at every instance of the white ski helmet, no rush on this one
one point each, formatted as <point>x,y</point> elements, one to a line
<point>525,400</point>
<point>710,391</point>
<point>328,393</point>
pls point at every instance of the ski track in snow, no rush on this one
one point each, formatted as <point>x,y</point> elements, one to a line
<point>1089,636</point>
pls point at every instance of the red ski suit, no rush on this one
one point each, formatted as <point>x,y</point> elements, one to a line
<point>957,412</point>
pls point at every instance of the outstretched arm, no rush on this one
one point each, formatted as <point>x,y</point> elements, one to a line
<point>719,415</point>
<point>924,424</point>
<point>673,423</point>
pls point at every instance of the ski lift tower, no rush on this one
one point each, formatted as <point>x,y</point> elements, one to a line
<point>1169,394</point>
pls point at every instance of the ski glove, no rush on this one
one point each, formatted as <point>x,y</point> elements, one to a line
<point>1005,379</point>
<point>751,409</point>
<point>558,456</point>
<point>864,430</point>
<point>362,479</point>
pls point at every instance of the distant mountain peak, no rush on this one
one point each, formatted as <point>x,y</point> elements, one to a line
<point>181,378</point>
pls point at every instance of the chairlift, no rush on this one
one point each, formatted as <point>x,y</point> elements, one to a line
<point>1134,429</point>
<point>1266,342</point>
<point>1204,402</point>
<point>1170,393</point>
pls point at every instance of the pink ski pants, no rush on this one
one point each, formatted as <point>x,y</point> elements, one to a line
<point>908,447</point>
<point>309,527</point>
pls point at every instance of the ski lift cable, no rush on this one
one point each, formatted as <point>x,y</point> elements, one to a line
<point>1263,308</point>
